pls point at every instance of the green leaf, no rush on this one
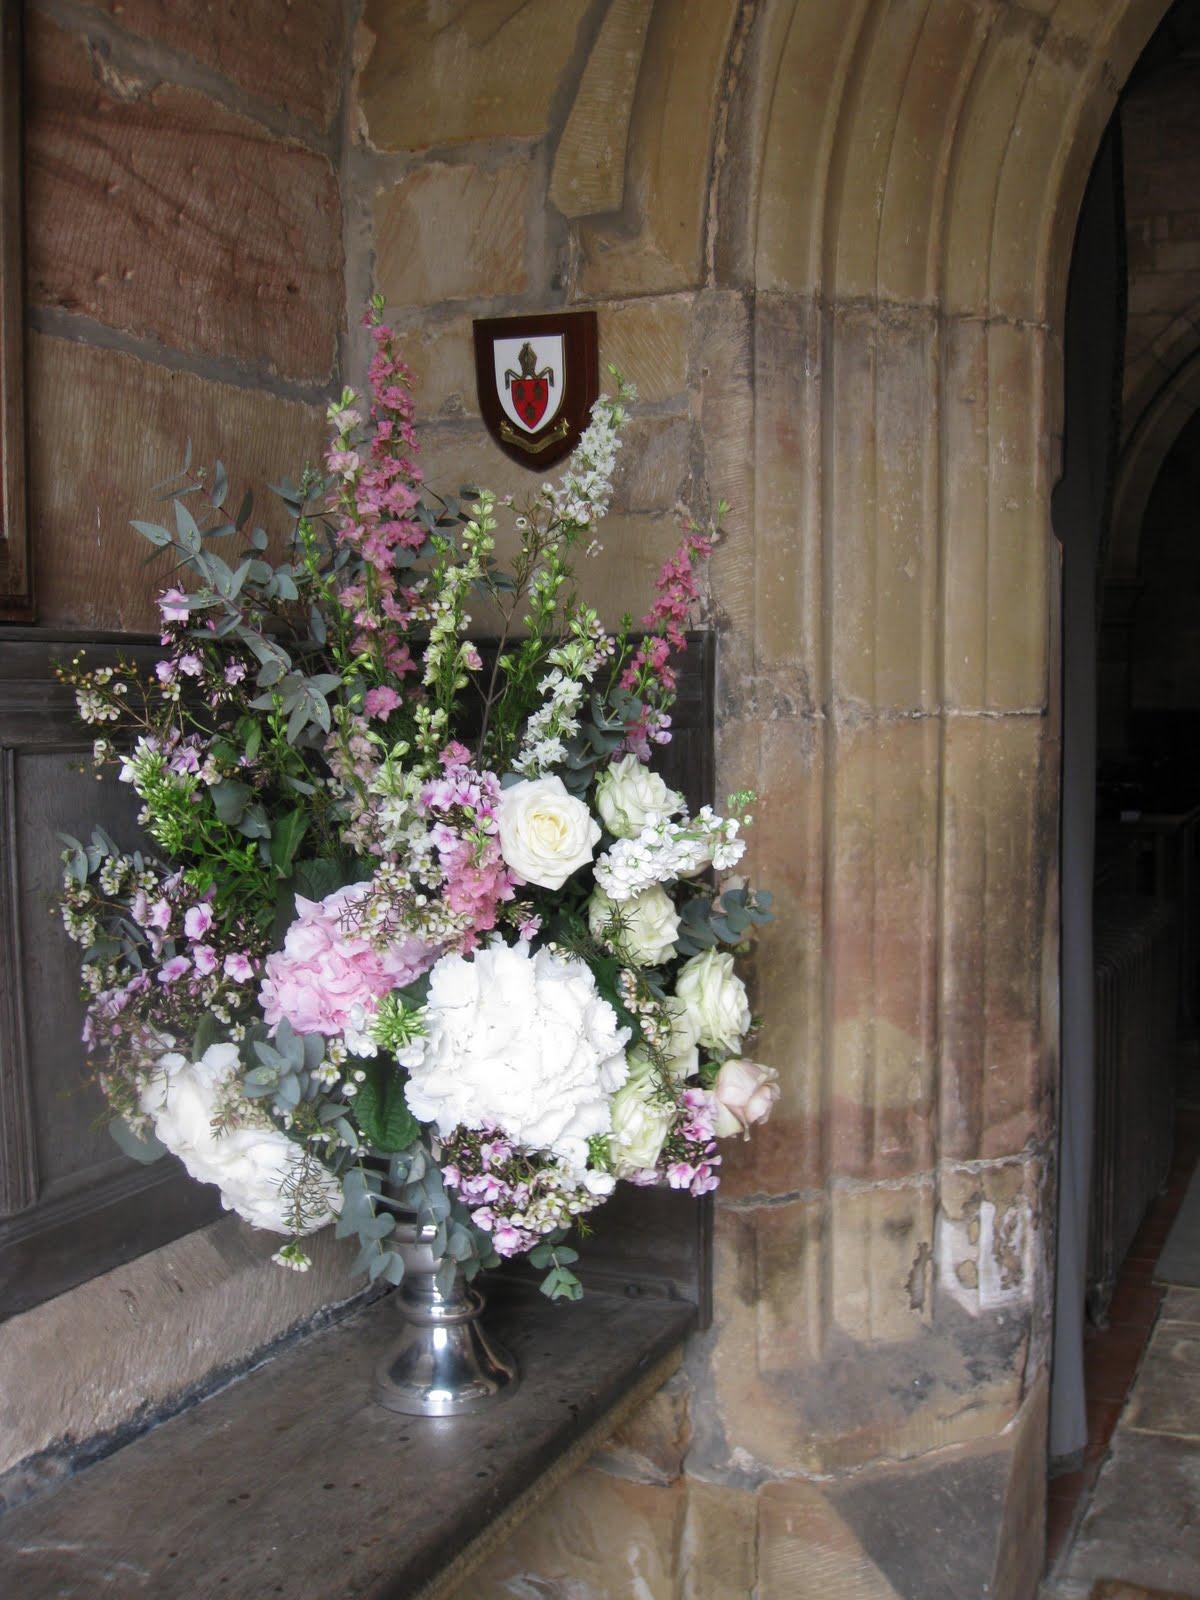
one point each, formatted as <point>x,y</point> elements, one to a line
<point>317,877</point>
<point>208,1033</point>
<point>285,840</point>
<point>151,530</point>
<point>381,1111</point>
<point>220,485</point>
<point>230,800</point>
<point>144,1150</point>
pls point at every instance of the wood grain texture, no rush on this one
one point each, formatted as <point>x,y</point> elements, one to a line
<point>18,1153</point>
<point>106,426</point>
<point>158,212</point>
<point>16,573</point>
<point>293,1482</point>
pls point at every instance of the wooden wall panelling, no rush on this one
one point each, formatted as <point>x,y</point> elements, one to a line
<point>16,567</point>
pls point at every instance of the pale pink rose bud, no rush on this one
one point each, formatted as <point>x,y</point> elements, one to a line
<point>745,1092</point>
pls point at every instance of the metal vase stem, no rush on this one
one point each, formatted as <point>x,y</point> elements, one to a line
<point>444,1365</point>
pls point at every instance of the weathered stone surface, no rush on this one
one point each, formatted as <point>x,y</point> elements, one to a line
<point>1166,1398</point>
<point>995,1092</point>
<point>719,1558</point>
<point>468,71</point>
<point>990,1250</point>
<point>441,356</point>
<point>453,233</point>
<point>654,467</point>
<point>596,1538</point>
<point>1141,1525</point>
<point>651,1446</point>
<point>666,171</point>
<point>286,52</point>
<point>104,428</point>
<point>589,166</point>
<point>807,1551</point>
<point>647,340</point>
<point>161,214</point>
<point>794,1391</point>
<point>144,1334</point>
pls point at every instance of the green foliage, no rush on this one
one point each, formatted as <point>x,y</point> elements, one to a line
<point>380,1109</point>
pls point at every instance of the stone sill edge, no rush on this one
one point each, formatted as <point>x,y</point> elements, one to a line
<point>445,1585</point>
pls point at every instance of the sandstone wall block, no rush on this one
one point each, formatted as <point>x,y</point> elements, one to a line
<point>163,215</point>
<point>453,233</point>
<point>286,52</point>
<point>589,165</point>
<point>104,428</point>
<point>442,75</point>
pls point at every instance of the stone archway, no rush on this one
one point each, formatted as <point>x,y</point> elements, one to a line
<point>881,240</point>
<point>837,239</point>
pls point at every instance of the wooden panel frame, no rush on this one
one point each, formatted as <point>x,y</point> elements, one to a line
<point>56,1235</point>
<point>16,559</point>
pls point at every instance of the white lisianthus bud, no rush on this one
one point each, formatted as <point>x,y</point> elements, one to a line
<point>640,1124</point>
<point>545,833</point>
<point>716,1000</point>
<point>642,930</point>
<point>745,1092</point>
<point>629,797</point>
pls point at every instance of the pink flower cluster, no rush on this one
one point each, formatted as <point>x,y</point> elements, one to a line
<point>689,1158</point>
<point>462,805</point>
<point>508,1194</point>
<point>329,976</point>
<point>375,500</point>
<point>649,672</point>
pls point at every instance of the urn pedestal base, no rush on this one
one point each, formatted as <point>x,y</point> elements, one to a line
<point>444,1364</point>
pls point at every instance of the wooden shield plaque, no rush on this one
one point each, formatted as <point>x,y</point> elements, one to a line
<point>538,378</point>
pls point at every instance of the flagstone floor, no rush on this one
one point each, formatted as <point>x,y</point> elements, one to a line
<point>1128,1523</point>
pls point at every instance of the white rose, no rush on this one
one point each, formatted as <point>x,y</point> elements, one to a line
<point>522,1043</point>
<point>716,999</point>
<point>647,929</point>
<point>251,1161</point>
<point>745,1092</point>
<point>545,833</point>
<point>629,796</point>
<point>641,1121</point>
<point>682,1055</point>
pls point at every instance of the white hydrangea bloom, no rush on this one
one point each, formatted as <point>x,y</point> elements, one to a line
<point>251,1161</point>
<point>523,1043</point>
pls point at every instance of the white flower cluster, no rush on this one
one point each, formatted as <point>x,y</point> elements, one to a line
<point>583,494</point>
<point>258,1169</point>
<point>665,851</point>
<point>543,745</point>
<point>521,1043</point>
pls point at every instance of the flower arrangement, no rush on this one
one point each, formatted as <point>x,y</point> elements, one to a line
<point>416,921</point>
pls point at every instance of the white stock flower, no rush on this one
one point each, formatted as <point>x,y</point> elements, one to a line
<point>545,833</point>
<point>251,1162</point>
<point>629,797</point>
<point>745,1093</point>
<point>715,997</point>
<point>641,1120</point>
<point>523,1043</point>
<point>642,930</point>
<point>664,851</point>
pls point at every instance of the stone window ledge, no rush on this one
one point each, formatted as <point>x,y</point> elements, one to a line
<point>292,1482</point>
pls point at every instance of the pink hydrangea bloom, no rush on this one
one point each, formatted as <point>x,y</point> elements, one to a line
<point>329,976</point>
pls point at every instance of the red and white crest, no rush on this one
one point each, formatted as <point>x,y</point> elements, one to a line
<point>538,380</point>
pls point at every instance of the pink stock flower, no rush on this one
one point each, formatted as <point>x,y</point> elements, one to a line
<point>380,702</point>
<point>329,976</point>
<point>160,916</point>
<point>173,605</point>
<point>197,920</point>
<point>235,672</point>
<point>191,664</point>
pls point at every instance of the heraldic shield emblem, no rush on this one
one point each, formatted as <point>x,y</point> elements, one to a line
<point>538,379</point>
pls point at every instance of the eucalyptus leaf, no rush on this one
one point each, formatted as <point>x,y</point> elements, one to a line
<point>145,1149</point>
